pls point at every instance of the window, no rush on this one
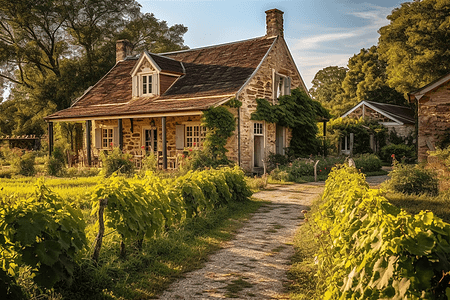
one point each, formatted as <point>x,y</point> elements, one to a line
<point>107,137</point>
<point>282,85</point>
<point>151,140</point>
<point>147,87</point>
<point>258,129</point>
<point>195,135</point>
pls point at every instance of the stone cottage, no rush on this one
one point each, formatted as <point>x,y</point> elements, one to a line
<point>155,101</point>
<point>433,113</point>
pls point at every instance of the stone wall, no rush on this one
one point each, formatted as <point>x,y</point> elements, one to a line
<point>133,139</point>
<point>434,120</point>
<point>261,86</point>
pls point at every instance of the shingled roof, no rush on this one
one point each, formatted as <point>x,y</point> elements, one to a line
<point>401,114</point>
<point>211,76</point>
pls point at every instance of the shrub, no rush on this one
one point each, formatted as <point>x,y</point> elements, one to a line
<point>279,174</point>
<point>24,164</point>
<point>412,179</point>
<point>150,163</point>
<point>276,160</point>
<point>54,167</point>
<point>116,161</point>
<point>370,249</point>
<point>402,152</point>
<point>367,163</point>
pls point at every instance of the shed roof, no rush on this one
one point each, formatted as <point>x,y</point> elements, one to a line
<point>399,114</point>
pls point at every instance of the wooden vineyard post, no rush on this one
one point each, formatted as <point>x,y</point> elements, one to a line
<point>101,229</point>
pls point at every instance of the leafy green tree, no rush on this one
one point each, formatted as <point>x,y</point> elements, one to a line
<point>51,51</point>
<point>327,85</point>
<point>415,44</point>
<point>146,32</point>
<point>366,79</point>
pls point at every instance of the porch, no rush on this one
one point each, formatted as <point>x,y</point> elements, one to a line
<point>167,138</point>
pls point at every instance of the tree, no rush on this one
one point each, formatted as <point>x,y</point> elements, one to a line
<point>366,81</point>
<point>51,51</point>
<point>416,44</point>
<point>327,85</point>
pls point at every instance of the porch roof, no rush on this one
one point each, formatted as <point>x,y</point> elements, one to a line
<point>212,76</point>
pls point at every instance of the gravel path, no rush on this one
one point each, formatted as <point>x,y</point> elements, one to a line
<point>254,264</point>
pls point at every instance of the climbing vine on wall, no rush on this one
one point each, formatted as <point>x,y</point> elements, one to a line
<point>220,124</point>
<point>362,129</point>
<point>298,112</point>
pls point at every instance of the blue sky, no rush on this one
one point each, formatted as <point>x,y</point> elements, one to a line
<point>319,33</point>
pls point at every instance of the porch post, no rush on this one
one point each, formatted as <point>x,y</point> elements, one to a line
<point>120,134</point>
<point>164,142</point>
<point>88,142</point>
<point>50,138</point>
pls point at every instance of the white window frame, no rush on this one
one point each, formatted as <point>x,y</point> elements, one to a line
<point>109,139</point>
<point>196,139</point>
<point>151,87</point>
<point>155,134</point>
<point>258,129</point>
<point>280,82</point>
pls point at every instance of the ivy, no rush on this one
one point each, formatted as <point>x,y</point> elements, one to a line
<point>362,129</point>
<point>298,112</point>
<point>220,124</point>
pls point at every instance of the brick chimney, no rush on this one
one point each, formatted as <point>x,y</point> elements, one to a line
<point>123,49</point>
<point>274,22</point>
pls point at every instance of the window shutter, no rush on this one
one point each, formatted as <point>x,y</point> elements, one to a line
<point>116,136</point>
<point>135,86</point>
<point>179,134</point>
<point>155,87</point>
<point>98,138</point>
<point>287,86</point>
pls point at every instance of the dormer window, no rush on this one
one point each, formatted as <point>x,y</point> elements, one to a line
<point>153,75</point>
<point>147,84</point>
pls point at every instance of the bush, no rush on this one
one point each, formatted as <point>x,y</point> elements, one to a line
<point>370,249</point>
<point>368,163</point>
<point>149,163</point>
<point>116,161</point>
<point>24,164</point>
<point>276,160</point>
<point>412,179</point>
<point>303,169</point>
<point>402,152</point>
<point>54,167</point>
<point>280,175</point>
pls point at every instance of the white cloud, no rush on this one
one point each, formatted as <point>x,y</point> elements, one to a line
<point>376,16</point>
<point>310,63</point>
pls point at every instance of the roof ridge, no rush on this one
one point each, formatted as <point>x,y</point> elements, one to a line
<point>383,103</point>
<point>218,45</point>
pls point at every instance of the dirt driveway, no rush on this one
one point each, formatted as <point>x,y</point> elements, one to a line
<point>253,265</point>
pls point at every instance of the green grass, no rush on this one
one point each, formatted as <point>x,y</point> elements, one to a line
<point>302,271</point>
<point>413,204</point>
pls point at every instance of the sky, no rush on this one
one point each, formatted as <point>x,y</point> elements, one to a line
<point>319,33</point>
